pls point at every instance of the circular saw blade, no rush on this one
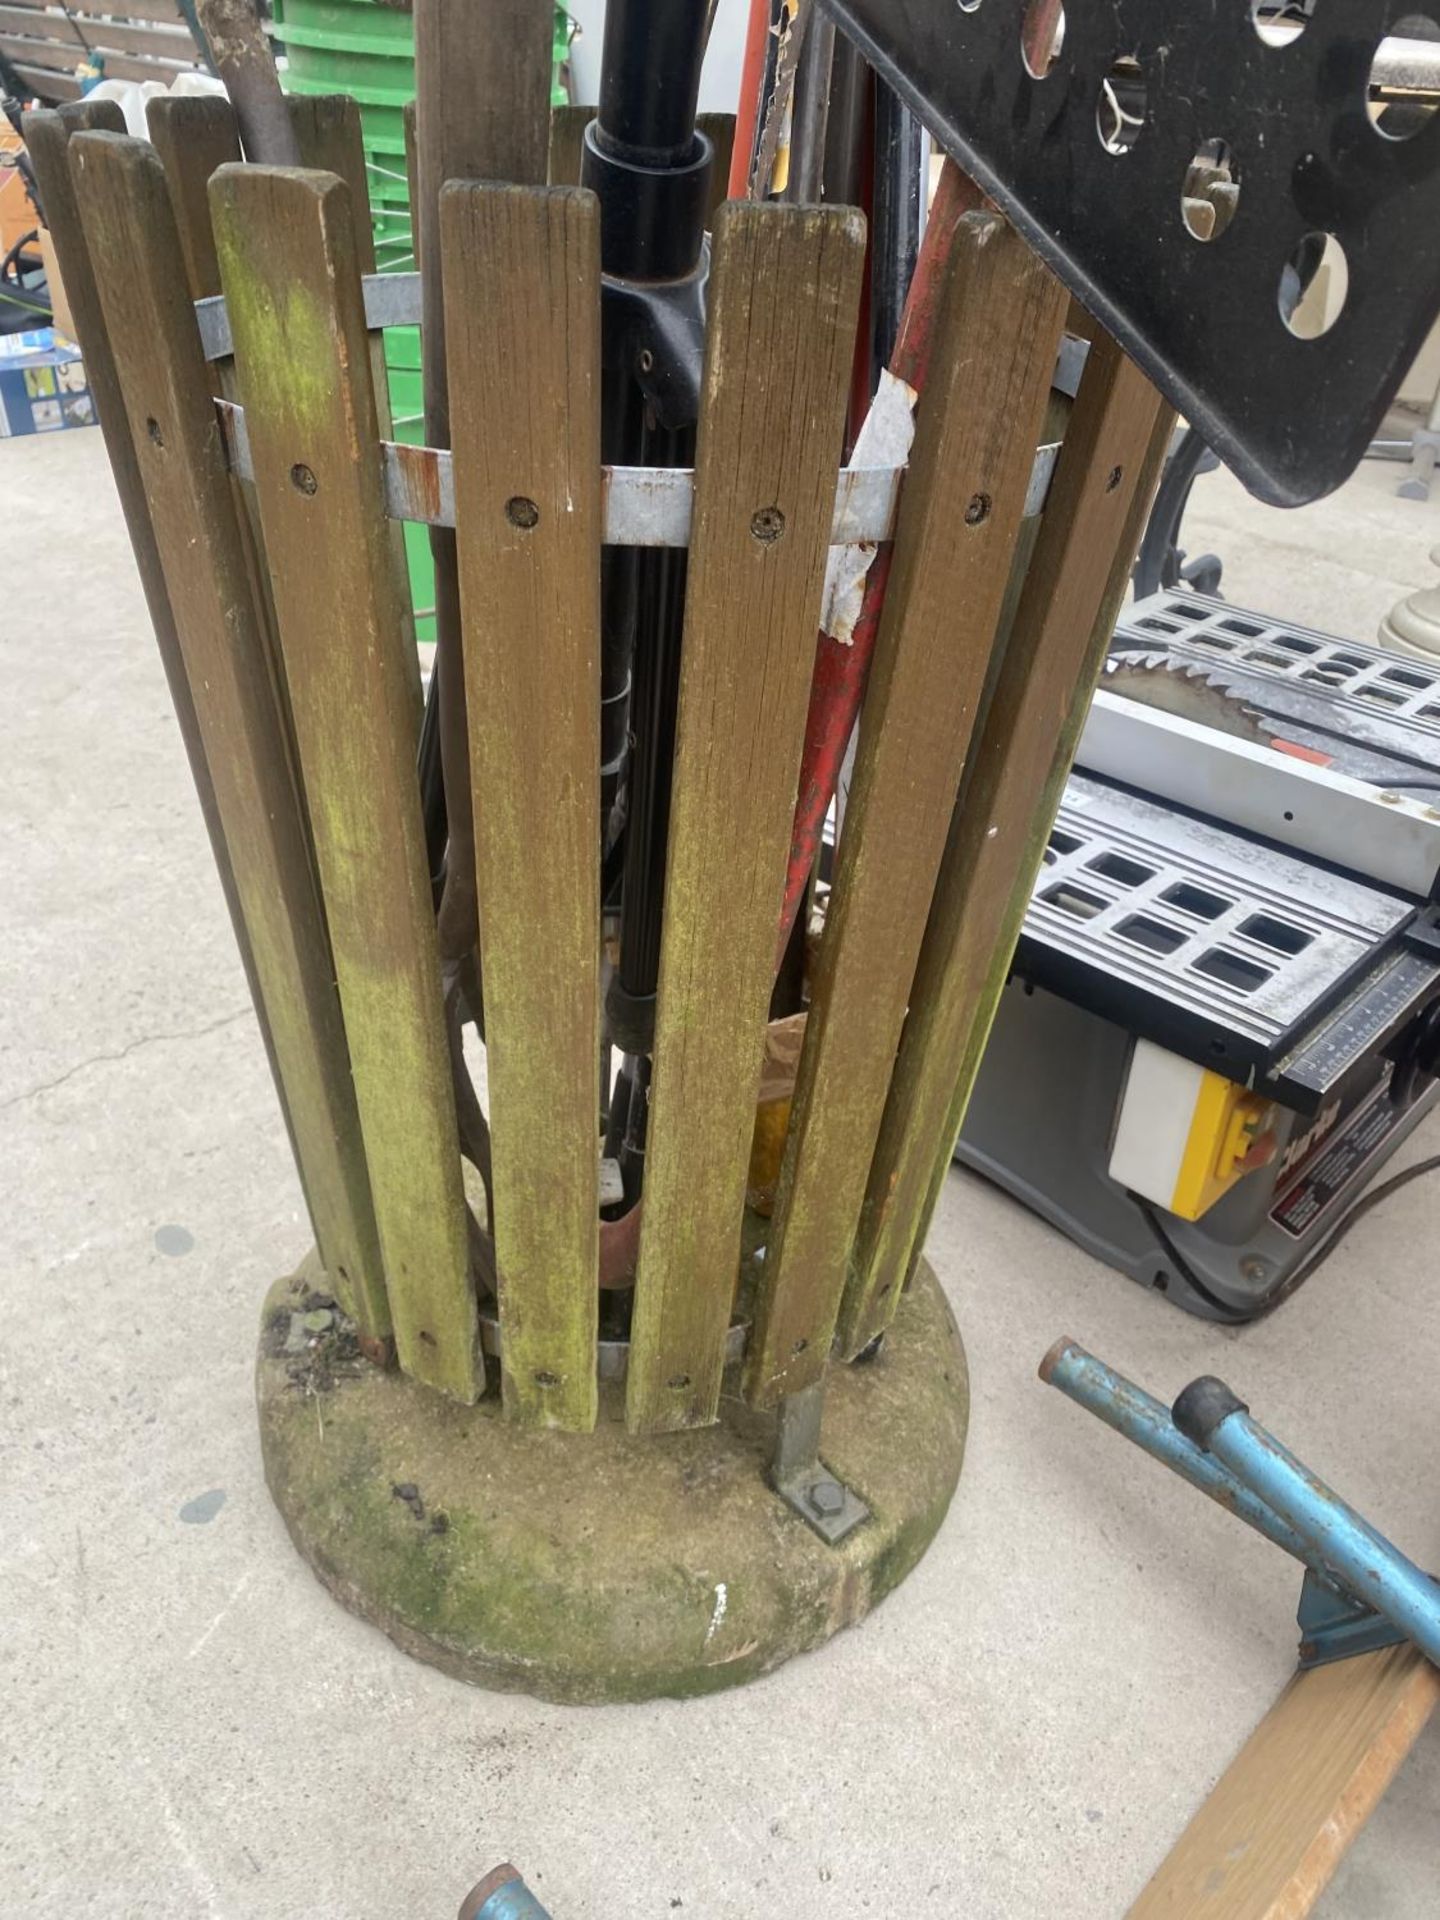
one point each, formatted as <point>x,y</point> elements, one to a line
<point>1185,688</point>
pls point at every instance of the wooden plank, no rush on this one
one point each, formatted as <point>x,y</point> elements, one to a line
<point>784,299</point>
<point>291,273</point>
<point>330,137</point>
<point>47,135</point>
<point>78,33</point>
<point>194,135</point>
<point>567,144</point>
<point>34,57</point>
<point>163,381</point>
<point>522,288</point>
<point>482,85</point>
<point>167,11</point>
<point>1283,1814</point>
<point>46,26</point>
<point>48,85</point>
<point>720,128</point>
<point>960,513</point>
<point>1057,641</point>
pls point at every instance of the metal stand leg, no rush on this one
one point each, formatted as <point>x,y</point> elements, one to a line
<point>1359,1592</point>
<point>800,1476</point>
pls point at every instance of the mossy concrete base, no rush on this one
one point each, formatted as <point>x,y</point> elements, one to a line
<point>589,1567</point>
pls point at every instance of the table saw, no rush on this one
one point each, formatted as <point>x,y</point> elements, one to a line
<point>1224,1011</point>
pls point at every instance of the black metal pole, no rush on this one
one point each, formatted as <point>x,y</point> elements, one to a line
<point>895,240</point>
<point>650,170</point>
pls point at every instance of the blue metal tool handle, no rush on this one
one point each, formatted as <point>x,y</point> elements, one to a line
<point>1147,1421</point>
<point>502,1895</point>
<point>1370,1568</point>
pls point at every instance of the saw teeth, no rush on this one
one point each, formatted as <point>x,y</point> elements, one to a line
<point>1186,688</point>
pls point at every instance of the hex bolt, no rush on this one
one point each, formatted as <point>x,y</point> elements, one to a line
<point>826,1498</point>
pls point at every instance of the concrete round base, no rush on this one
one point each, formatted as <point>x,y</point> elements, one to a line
<point>593,1567</point>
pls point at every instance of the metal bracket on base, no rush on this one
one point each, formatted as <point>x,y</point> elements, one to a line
<point>1333,1626</point>
<point>800,1476</point>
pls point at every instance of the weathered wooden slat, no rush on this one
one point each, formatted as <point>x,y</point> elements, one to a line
<point>960,513</point>
<point>47,135</point>
<point>163,382</point>
<point>48,84</point>
<point>35,56</point>
<point>522,288</point>
<point>164,10</point>
<point>1073,587</point>
<point>194,135</point>
<point>1282,1815</point>
<point>75,32</point>
<point>784,298</point>
<point>330,137</point>
<point>567,143</point>
<point>291,274</point>
<point>721,130</point>
<point>482,84</point>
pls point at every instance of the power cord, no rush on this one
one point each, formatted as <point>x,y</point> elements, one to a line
<point>1235,1316</point>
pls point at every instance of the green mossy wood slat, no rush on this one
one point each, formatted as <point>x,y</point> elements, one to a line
<point>976,431</point>
<point>482,85</point>
<point>1068,607</point>
<point>522,292</point>
<point>290,269</point>
<point>330,137</point>
<point>784,296</point>
<point>130,230</point>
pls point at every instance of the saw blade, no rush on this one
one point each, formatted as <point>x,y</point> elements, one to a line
<point>1184,688</point>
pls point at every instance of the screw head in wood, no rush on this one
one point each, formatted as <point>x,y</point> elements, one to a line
<point>302,479</point>
<point>978,509</point>
<point>767,524</point>
<point>1117,474</point>
<point>521,512</point>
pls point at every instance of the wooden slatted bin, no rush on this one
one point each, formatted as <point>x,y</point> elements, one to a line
<point>602,1419</point>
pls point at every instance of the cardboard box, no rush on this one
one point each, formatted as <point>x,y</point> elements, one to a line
<point>43,384</point>
<point>17,214</point>
<point>59,305</point>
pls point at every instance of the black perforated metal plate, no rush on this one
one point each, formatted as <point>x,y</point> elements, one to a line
<point>1291,415</point>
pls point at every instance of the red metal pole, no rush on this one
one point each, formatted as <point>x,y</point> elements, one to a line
<point>841,666</point>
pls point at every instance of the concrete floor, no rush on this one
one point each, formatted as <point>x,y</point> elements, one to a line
<point>191,1726</point>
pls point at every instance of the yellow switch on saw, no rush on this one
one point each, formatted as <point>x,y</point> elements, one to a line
<point>1185,1134</point>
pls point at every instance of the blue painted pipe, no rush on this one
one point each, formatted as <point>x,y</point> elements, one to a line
<point>1210,1415</point>
<point>1141,1418</point>
<point>510,1900</point>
